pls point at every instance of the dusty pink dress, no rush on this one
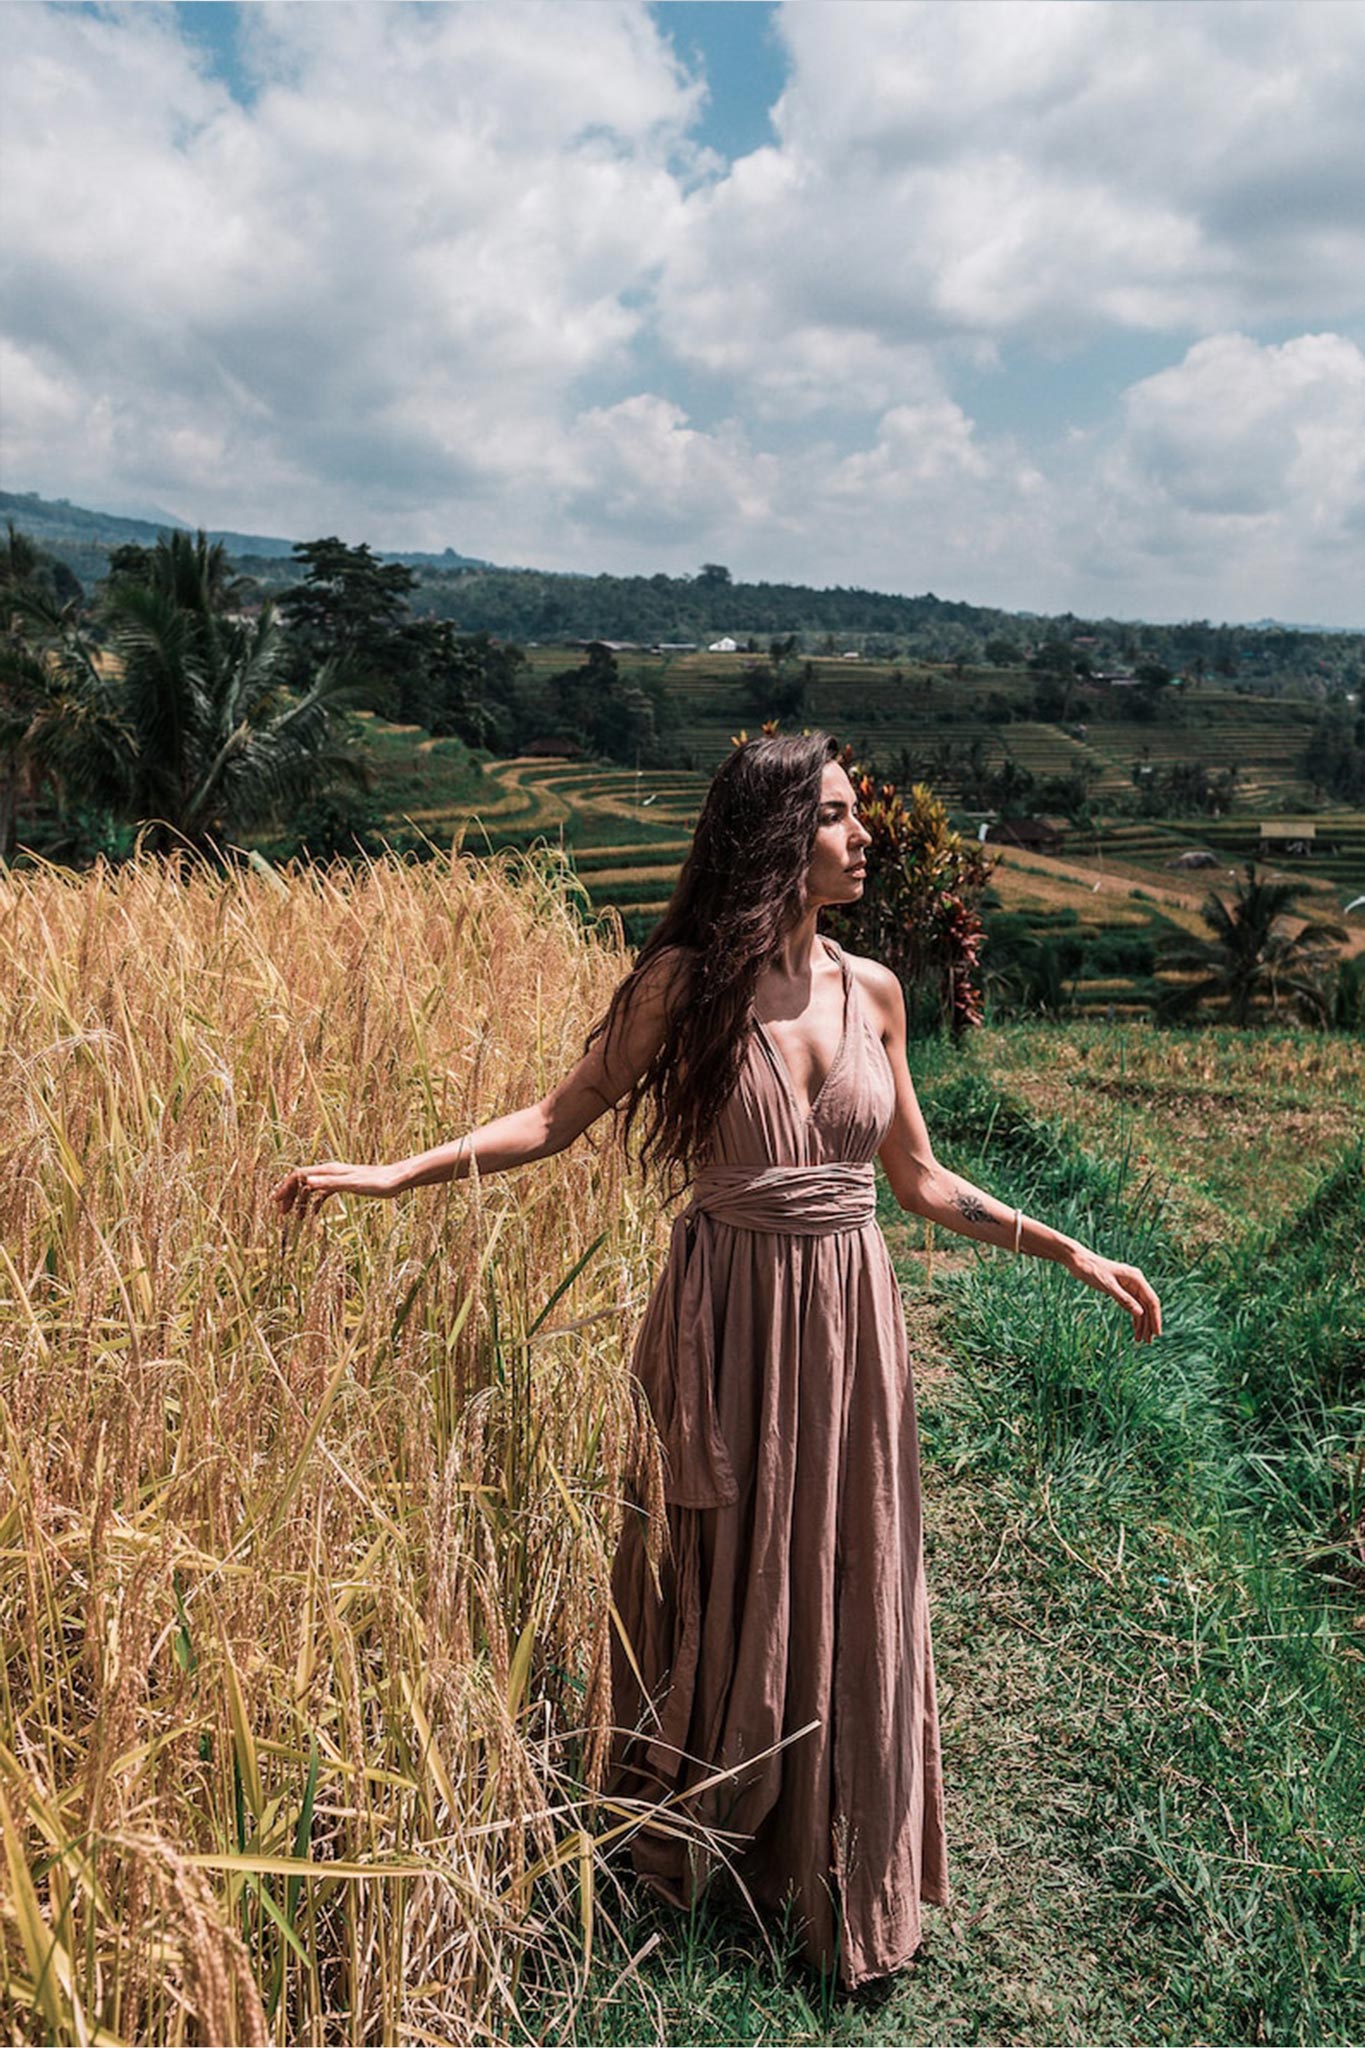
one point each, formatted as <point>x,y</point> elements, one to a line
<point>774,1356</point>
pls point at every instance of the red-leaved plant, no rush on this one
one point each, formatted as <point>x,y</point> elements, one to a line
<point>918,912</point>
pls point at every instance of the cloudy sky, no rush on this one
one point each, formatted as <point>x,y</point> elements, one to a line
<point>1041,303</point>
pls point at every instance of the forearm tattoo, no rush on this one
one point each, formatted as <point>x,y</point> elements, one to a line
<point>971,1205</point>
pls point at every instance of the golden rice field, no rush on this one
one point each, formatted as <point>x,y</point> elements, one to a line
<point>304,1538</point>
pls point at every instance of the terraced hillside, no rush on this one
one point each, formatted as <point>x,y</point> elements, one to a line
<point>1106,904</point>
<point>626,831</point>
<point>937,713</point>
<point>1262,738</point>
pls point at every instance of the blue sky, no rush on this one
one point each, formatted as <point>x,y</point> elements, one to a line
<point>737,47</point>
<point>734,44</point>
<point>209,27</point>
<point>1042,303</point>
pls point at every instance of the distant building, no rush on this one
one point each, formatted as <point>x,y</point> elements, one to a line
<point>851,654</point>
<point>1037,835</point>
<point>726,646</point>
<point>674,647</point>
<point>1285,838</point>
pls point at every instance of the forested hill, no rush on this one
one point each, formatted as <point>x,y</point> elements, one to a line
<point>530,605</point>
<point>533,605</point>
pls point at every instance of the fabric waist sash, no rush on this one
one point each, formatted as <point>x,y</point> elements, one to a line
<point>794,1201</point>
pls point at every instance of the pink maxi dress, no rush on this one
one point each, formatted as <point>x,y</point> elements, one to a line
<point>774,1357</point>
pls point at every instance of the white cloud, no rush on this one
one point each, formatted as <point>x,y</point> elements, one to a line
<point>377,287</point>
<point>51,406</point>
<point>464,274</point>
<point>1240,468</point>
<point>646,473</point>
<point>1042,170</point>
<point>928,503</point>
<point>1243,430</point>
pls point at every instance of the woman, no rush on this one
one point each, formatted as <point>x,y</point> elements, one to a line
<point>780,1661</point>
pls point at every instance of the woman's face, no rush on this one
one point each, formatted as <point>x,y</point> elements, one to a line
<point>836,872</point>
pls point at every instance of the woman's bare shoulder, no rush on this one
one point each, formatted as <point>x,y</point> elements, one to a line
<point>881,988</point>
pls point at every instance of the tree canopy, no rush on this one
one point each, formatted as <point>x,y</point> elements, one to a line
<point>1253,963</point>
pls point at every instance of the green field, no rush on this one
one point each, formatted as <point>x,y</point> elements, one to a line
<point>879,707</point>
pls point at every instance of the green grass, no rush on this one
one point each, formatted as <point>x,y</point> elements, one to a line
<point>1236,1128</point>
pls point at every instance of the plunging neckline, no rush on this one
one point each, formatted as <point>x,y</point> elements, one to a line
<point>784,1071</point>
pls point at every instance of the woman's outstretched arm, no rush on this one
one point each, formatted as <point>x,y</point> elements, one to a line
<point>602,1077</point>
<point>926,1188</point>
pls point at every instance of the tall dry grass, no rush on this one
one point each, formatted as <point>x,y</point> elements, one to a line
<point>304,1537</point>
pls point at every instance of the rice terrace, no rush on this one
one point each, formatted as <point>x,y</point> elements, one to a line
<point>624,831</point>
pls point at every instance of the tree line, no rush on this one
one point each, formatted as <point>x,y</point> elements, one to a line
<point>538,606</point>
<point>529,605</point>
<point>160,707</point>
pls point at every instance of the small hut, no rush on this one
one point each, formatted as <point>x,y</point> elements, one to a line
<point>1280,837</point>
<point>1035,835</point>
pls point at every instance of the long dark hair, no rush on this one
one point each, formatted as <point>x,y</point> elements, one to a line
<point>739,890</point>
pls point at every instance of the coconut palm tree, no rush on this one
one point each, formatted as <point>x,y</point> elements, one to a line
<point>60,728</point>
<point>190,568</point>
<point>183,719</point>
<point>219,742</point>
<point>1252,962</point>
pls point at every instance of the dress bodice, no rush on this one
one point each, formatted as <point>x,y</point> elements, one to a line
<point>763,1123</point>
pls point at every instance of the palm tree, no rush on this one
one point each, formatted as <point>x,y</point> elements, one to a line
<point>219,742</point>
<point>59,716</point>
<point>191,569</point>
<point>1252,962</point>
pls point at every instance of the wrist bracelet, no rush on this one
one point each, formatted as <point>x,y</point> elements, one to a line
<point>1018,1229</point>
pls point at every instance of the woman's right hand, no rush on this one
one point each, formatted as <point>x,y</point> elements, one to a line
<point>1127,1284</point>
<point>306,1188</point>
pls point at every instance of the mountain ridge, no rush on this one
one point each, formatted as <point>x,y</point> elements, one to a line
<point>72,530</point>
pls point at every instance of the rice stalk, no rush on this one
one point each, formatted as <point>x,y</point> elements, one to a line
<point>305,1537</point>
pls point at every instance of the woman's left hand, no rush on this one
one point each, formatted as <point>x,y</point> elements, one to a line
<point>1127,1284</point>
